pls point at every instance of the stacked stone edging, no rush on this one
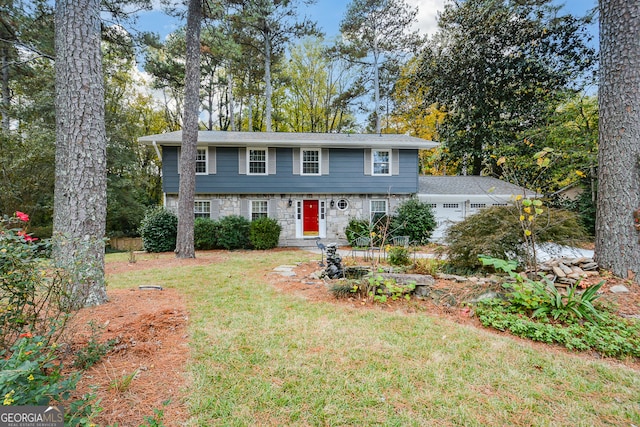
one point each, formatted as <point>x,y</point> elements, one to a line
<point>568,271</point>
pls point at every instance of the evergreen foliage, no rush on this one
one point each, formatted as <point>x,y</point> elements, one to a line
<point>158,230</point>
<point>415,219</point>
<point>205,233</point>
<point>234,232</point>
<point>264,233</point>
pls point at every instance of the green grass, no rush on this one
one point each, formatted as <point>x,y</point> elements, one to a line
<point>261,357</point>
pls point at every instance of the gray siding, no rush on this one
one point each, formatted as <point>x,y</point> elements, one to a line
<point>346,175</point>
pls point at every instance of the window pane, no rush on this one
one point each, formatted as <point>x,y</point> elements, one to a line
<point>311,162</point>
<point>202,209</point>
<point>381,162</point>
<point>258,161</point>
<point>259,209</point>
<point>201,160</point>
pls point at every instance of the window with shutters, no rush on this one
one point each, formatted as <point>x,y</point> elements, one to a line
<point>201,161</point>
<point>257,161</point>
<point>259,209</point>
<point>202,209</point>
<point>310,162</point>
<point>381,162</point>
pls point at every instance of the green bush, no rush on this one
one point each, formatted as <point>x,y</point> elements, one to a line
<point>414,219</point>
<point>378,230</point>
<point>158,230</point>
<point>33,313</point>
<point>234,232</point>
<point>356,228</point>
<point>264,233</point>
<point>497,232</point>
<point>205,233</point>
<point>399,255</point>
<point>33,298</point>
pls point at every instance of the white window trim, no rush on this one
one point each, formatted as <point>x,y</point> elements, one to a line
<point>206,160</point>
<point>319,150</point>
<point>251,207</point>
<point>266,160</point>
<point>372,212</point>
<point>201,201</point>
<point>373,164</point>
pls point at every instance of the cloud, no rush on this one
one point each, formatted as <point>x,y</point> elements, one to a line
<point>427,14</point>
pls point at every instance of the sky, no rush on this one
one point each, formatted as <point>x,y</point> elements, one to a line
<point>329,13</point>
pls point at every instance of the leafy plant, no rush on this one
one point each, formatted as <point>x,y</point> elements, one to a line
<point>497,232</point>
<point>264,233</point>
<point>205,233</point>
<point>541,299</point>
<point>31,373</point>
<point>234,232</point>
<point>91,354</point>
<point>398,255</point>
<point>158,230</point>
<point>380,289</point>
<point>415,219</point>
<point>562,307</point>
<point>34,303</point>
<point>611,336</point>
<point>430,266</point>
<point>33,297</point>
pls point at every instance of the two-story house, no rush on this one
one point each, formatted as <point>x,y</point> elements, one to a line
<point>312,183</point>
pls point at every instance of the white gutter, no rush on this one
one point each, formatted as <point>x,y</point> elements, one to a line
<point>157,150</point>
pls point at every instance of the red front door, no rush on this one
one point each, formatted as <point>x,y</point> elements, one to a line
<point>310,222</point>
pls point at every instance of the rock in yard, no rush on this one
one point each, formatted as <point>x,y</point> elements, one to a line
<point>559,272</point>
<point>619,289</point>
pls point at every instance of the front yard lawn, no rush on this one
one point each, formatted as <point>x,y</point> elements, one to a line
<point>259,356</point>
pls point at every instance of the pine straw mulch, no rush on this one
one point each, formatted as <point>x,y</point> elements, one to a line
<point>151,341</point>
<point>150,329</point>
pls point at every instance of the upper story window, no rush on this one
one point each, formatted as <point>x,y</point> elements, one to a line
<point>201,161</point>
<point>310,162</point>
<point>202,209</point>
<point>259,209</point>
<point>381,162</point>
<point>257,159</point>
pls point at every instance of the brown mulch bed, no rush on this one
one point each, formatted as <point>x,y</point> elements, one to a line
<point>150,329</point>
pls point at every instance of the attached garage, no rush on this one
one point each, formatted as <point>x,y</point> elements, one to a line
<point>453,198</point>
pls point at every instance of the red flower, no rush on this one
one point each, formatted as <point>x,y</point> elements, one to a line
<point>22,216</point>
<point>27,237</point>
<point>26,335</point>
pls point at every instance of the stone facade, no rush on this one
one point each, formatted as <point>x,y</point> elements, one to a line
<point>335,211</point>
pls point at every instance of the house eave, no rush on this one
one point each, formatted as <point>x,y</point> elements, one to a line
<point>292,140</point>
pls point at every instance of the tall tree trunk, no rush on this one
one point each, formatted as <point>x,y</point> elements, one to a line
<point>232,118</point>
<point>376,84</point>
<point>5,103</point>
<point>186,196</point>
<point>80,199</point>
<point>617,240</point>
<point>268,91</point>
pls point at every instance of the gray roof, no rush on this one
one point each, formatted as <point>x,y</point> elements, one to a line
<point>469,184</point>
<point>291,139</point>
